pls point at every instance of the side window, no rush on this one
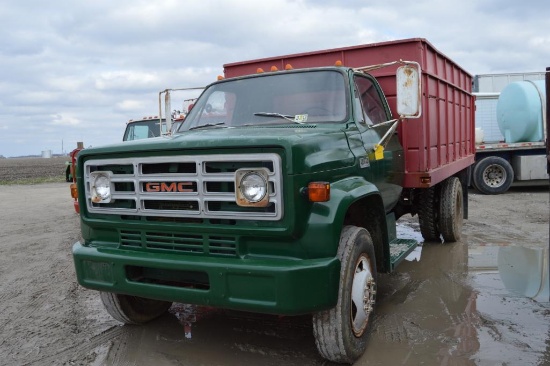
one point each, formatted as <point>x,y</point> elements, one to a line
<point>371,101</point>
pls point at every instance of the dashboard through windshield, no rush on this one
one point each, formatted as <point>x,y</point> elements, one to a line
<point>275,98</point>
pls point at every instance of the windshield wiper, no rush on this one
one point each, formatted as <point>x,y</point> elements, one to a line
<point>278,115</point>
<point>207,125</point>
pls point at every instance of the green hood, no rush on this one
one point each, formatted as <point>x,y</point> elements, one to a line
<point>307,148</point>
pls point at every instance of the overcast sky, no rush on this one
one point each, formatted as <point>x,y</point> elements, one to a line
<point>74,70</point>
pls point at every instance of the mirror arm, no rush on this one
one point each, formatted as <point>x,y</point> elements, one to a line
<point>378,149</point>
<point>389,132</point>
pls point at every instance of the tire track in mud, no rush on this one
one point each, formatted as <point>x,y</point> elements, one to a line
<point>38,317</point>
<point>80,350</point>
<point>37,291</point>
<point>390,328</point>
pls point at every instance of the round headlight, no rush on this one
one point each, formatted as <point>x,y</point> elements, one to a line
<point>253,187</point>
<point>101,188</point>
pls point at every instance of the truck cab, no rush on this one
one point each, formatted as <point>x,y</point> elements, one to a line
<point>144,128</point>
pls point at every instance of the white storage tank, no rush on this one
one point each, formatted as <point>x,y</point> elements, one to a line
<point>520,111</point>
<point>46,154</point>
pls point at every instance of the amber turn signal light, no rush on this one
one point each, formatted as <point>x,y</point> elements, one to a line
<point>318,191</point>
<point>74,191</point>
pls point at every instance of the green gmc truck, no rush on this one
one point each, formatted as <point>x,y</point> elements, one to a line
<point>280,192</point>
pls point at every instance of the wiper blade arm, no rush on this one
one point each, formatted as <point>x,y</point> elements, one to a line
<point>206,125</point>
<point>278,115</point>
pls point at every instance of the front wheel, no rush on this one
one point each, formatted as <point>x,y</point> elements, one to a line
<point>341,333</point>
<point>493,175</point>
<point>132,309</point>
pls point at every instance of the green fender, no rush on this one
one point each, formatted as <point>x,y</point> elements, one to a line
<point>326,219</point>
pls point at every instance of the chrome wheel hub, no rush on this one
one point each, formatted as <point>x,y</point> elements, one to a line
<point>494,176</point>
<point>363,295</point>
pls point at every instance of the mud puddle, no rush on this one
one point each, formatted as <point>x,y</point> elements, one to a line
<point>452,308</point>
<point>459,304</point>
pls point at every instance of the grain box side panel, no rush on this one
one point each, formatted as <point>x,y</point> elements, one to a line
<point>438,144</point>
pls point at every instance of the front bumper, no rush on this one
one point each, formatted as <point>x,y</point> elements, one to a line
<point>270,285</point>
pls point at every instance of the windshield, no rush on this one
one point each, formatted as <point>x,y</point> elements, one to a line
<point>143,130</point>
<point>284,97</point>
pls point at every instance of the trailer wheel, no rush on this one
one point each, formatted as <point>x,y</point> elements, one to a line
<point>493,175</point>
<point>428,215</point>
<point>132,309</point>
<point>451,209</point>
<point>341,333</point>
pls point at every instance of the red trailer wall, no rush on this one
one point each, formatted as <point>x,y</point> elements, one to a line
<point>437,145</point>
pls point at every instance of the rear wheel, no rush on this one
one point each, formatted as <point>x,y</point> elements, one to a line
<point>493,175</point>
<point>428,215</point>
<point>451,209</point>
<point>132,309</point>
<point>341,333</point>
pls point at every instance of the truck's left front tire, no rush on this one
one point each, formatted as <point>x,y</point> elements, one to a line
<point>133,309</point>
<point>341,333</point>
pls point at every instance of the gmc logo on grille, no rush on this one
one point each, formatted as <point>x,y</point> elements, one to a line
<point>180,187</point>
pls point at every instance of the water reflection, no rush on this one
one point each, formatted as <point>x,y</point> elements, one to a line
<point>524,271</point>
<point>464,304</point>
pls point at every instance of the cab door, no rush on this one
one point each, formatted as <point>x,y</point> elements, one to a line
<point>371,111</point>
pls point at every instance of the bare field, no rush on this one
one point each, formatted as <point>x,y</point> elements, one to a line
<point>32,170</point>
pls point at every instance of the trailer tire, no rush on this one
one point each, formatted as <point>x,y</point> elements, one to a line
<point>132,309</point>
<point>493,175</point>
<point>341,333</point>
<point>451,209</point>
<point>68,176</point>
<point>428,215</point>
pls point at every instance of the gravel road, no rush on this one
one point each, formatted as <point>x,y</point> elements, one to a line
<point>46,318</point>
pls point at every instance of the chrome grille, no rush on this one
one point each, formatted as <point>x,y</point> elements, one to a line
<point>200,186</point>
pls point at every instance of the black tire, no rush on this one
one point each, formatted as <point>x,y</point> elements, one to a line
<point>428,215</point>
<point>68,177</point>
<point>132,309</point>
<point>493,175</point>
<point>451,209</point>
<point>341,333</point>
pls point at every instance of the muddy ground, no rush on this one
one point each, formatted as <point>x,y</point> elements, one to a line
<point>452,307</point>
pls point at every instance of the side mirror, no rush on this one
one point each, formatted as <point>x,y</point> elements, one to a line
<point>409,90</point>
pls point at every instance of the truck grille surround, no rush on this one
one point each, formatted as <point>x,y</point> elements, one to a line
<point>188,187</point>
